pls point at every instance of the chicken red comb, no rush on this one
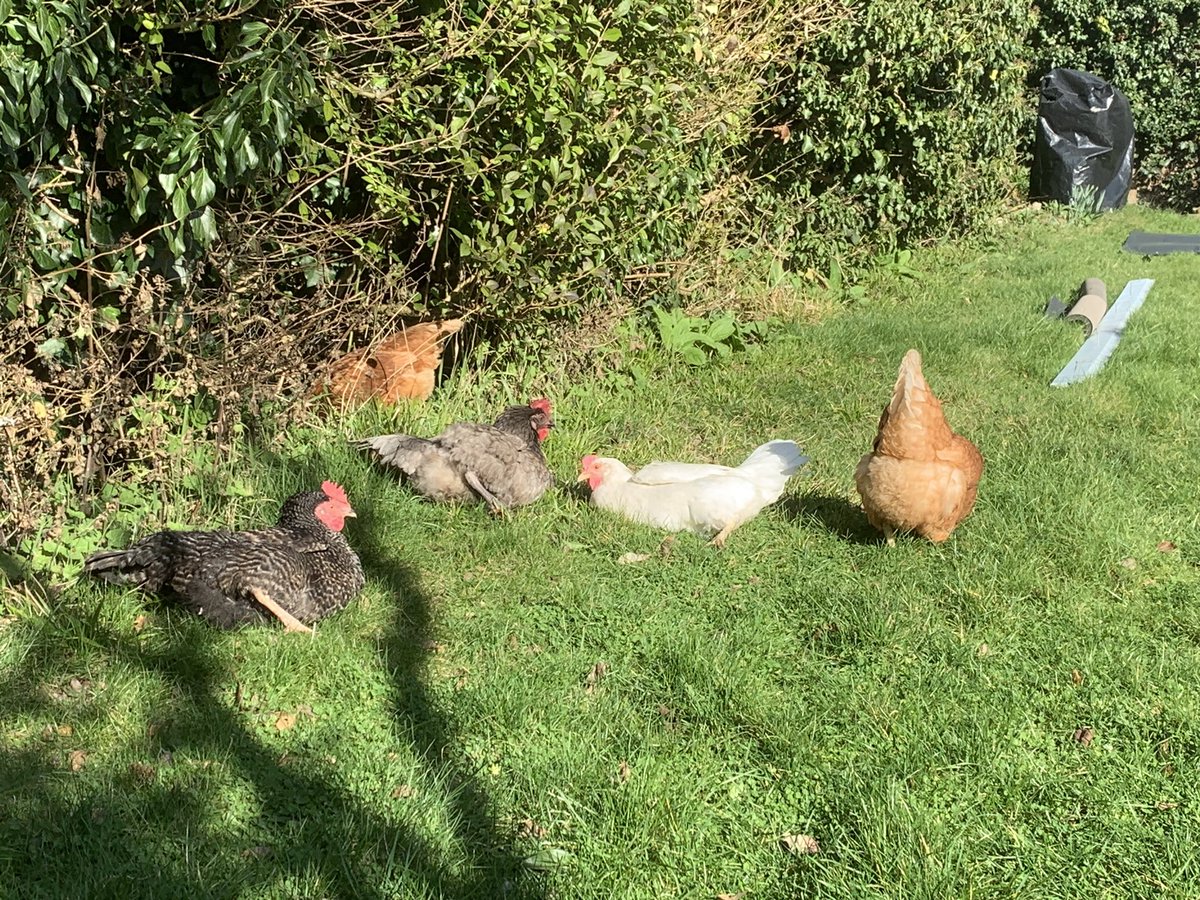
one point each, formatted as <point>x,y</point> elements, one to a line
<point>541,403</point>
<point>589,461</point>
<point>334,491</point>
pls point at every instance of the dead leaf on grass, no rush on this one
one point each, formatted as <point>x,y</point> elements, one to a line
<point>1077,676</point>
<point>1166,547</point>
<point>139,623</point>
<point>76,759</point>
<point>79,685</point>
<point>666,546</point>
<point>403,791</point>
<point>260,852</point>
<point>626,559</point>
<point>143,772</point>
<point>527,828</point>
<point>1084,735</point>
<point>285,721</point>
<point>595,675</point>
<point>1129,563</point>
<point>983,650</point>
<point>1164,805</point>
<point>623,772</point>
<point>737,896</point>
<point>52,731</point>
<point>800,844</point>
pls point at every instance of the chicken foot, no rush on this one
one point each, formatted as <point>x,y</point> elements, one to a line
<point>723,535</point>
<point>290,622</point>
<point>489,498</point>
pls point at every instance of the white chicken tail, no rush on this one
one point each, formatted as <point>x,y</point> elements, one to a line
<point>771,465</point>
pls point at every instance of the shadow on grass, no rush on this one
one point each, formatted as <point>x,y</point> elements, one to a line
<point>836,514</point>
<point>177,829</point>
<point>574,492</point>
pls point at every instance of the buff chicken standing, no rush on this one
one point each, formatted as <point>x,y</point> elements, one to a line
<point>919,476</point>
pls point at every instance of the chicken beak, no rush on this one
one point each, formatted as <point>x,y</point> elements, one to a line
<point>583,476</point>
<point>350,514</point>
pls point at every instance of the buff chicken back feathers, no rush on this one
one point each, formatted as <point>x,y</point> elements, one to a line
<point>919,476</point>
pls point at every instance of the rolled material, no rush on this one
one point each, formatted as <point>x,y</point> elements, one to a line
<point>1099,347</point>
<point>1091,306</point>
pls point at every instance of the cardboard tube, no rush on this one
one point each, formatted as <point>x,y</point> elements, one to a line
<point>1088,311</point>
<point>1094,286</point>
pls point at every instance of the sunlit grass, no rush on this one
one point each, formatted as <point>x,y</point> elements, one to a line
<point>914,709</point>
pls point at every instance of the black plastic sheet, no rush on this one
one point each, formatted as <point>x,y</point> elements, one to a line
<point>1084,140</point>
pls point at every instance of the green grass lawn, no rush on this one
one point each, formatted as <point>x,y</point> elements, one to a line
<point>913,709</point>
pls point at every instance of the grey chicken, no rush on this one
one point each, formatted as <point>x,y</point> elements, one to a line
<point>299,570</point>
<point>501,464</point>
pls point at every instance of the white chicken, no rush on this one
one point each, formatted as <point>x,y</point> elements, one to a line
<point>707,499</point>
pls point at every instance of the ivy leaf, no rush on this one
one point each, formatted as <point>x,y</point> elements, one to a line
<point>203,188</point>
<point>52,348</point>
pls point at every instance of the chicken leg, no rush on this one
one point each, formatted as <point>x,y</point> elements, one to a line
<point>290,622</point>
<point>489,498</point>
<point>723,535</point>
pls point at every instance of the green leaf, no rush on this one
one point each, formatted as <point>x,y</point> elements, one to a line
<point>204,227</point>
<point>179,204</point>
<point>203,188</point>
<point>50,349</point>
<point>547,860</point>
<point>252,33</point>
<point>605,58</point>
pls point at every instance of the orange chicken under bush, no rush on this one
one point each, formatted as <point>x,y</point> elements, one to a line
<point>401,367</point>
<point>919,476</point>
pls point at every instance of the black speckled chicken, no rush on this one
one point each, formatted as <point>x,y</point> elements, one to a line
<point>299,570</point>
<point>501,464</point>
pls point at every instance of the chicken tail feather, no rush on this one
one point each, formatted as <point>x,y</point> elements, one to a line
<point>772,464</point>
<point>135,566</point>
<point>402,451</point>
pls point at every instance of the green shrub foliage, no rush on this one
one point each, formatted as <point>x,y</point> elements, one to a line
<point>1151,51</point>
<point>902,124</point>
